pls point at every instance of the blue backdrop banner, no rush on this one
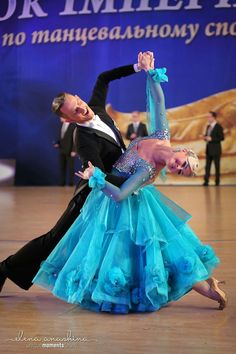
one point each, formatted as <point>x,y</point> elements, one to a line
<point>51,46</point>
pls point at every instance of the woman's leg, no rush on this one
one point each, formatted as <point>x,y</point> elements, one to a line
<point>210,289</point>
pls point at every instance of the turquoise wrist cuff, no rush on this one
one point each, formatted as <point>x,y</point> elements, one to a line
<point>98,179</point>
<point>158,75</point>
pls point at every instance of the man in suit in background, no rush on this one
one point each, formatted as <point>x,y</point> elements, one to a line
<point>136,128</point>
<point>67,152</point>
<point>213,136</point>
<point>100,142</point>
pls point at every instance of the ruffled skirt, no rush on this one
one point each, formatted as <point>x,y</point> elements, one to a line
<point>131,256</point>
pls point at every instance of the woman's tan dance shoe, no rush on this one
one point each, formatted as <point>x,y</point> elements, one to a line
<point>213,282</point>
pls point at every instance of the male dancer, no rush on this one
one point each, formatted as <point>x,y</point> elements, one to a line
<point>100,142</point>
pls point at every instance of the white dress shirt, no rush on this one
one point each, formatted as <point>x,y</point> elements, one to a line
<point>97,123</point>
<point>135,125</point>
<point>210,128</point>
<point>64,128</point>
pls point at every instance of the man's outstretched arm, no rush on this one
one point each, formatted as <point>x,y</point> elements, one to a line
<point>100,90</point>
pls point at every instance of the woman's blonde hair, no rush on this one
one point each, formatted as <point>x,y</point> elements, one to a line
<point>192,159</point>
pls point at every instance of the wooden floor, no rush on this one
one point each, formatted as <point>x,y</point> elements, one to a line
<point>35,321</point>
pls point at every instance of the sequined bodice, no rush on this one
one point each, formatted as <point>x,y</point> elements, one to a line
<point>130,161</point>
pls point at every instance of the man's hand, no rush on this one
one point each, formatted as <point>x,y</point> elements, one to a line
<point>133,136</point>
<point>146,60</point>
<point>88,172</point>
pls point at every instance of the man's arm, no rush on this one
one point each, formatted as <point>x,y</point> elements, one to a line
<point>220,133</point>
<point>100,90</point>
<point>145,132</point>
<point>128,133</point>
<point>88,151</point>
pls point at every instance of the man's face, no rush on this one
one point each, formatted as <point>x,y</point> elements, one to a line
<point>135,117</point>
<point>76,110</point>
<point>210,118</point>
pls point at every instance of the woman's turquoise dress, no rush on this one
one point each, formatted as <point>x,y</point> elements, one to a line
<point>135,255</point>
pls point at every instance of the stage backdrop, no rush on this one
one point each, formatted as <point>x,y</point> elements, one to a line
<point>51,46</point>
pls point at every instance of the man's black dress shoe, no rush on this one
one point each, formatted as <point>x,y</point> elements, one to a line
<point>205,184</point>
<point>2,279</point>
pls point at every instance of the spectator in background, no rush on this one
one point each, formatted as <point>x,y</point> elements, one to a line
<point>213,136</point>
<point>67,152</point>
<point>136,128</point>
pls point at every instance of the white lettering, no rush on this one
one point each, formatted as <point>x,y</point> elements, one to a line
<point>151,31</point>
<point>179,31</point>
<point>81,35</point>
<point>193,5</point>
<point>127,6</point>
<point>92,34</point>
<point>68,10</point>
<point>35,7</point>
<point>10,10</point>
<point>20,38</point>
<point>165,6</point>
<point>128,33</point>
<point>144,6</point>
<point>232,29</point>
<point>138,32</point>
<point>223,4</point>
<point>9,40</point>
<point>68,33</point>
<point>103,33</point>
<point>96,4</point>
<point>164,31</point>
<point>40,36</point>
<point>222,29</point>
<point>115,33</point>
<point>208,30</point>
<point>193,29</point>
<point>55,36</point>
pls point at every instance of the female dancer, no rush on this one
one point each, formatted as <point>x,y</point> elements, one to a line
<point>130,249</point>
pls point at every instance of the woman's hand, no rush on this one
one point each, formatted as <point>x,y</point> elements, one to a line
<point>88,172</point>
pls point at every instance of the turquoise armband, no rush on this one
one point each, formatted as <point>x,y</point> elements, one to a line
<point>158,75</point>
<point>97,180</point>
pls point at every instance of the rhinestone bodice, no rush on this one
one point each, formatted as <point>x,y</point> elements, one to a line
<point>130,161</point>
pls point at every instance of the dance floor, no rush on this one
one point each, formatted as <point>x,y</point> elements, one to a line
<point>35,321</point>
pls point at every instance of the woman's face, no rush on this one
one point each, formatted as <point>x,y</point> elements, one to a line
<point>178,164</point>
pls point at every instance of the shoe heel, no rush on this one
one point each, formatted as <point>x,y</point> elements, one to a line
<point>221,282</point>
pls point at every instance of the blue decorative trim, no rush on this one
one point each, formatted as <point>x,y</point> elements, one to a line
<point>98,179</point>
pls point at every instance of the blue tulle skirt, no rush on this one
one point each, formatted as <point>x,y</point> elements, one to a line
<point>131,256</point>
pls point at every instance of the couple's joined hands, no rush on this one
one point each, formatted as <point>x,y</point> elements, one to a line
<point>146,60</point>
